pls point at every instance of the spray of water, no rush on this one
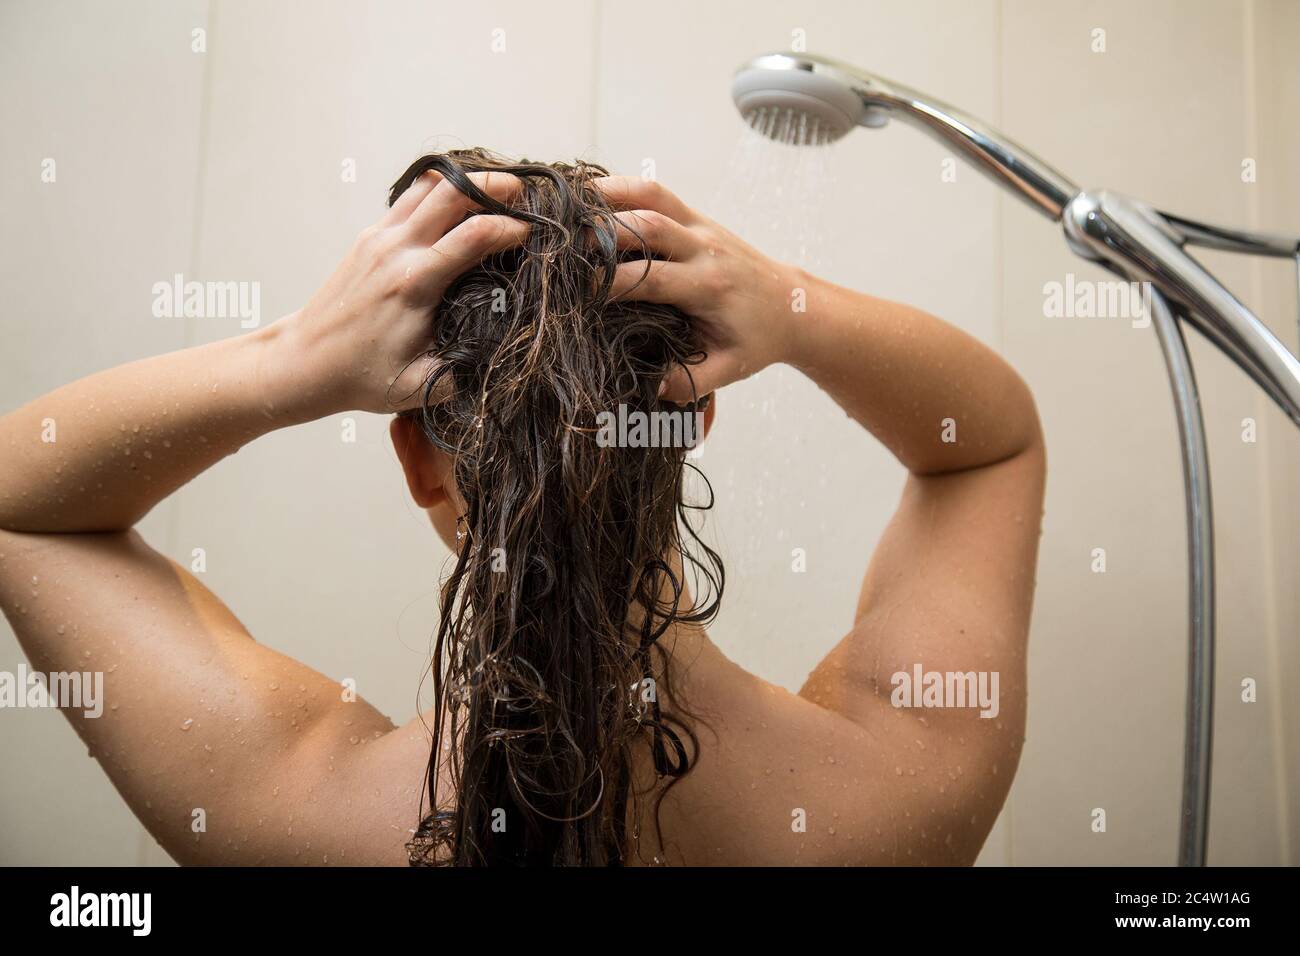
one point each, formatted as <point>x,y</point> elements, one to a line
<point>774,186</point>
<point>775,193</point>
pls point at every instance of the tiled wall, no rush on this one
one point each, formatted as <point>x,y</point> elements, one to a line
<point>228,164</point>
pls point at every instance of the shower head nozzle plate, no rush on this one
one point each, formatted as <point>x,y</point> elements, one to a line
<point>799,100</point>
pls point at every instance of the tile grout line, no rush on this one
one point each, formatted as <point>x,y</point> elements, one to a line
<point>171,531</point>
<point>1000,300</point>
<point>1250,42</point>
<point>593,118</point>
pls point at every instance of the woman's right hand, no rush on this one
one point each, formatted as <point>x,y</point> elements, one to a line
<point>360,342</point>
<point>740,299</point>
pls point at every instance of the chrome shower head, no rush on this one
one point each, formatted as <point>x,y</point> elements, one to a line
<point>801,100</point>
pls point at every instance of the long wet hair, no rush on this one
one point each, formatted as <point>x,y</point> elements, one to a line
<point>547,669</point>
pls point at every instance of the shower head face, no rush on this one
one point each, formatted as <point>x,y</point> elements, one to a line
<point>800,100</point>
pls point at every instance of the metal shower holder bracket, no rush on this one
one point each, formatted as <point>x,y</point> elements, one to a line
<point>779,93</point>
<point>1137,242</point>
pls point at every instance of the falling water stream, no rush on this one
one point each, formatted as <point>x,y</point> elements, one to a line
<point>775,194</point>
<point>773,188</point>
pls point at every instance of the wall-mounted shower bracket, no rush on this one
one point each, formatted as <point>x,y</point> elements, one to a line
<point>1132,239</point>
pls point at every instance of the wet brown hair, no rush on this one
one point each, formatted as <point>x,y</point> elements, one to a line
<point>547,671</point>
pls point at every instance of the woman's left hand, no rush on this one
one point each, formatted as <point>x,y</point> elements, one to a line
<point>739,298</point>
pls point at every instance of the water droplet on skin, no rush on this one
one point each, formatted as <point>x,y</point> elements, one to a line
<point>189,722</point>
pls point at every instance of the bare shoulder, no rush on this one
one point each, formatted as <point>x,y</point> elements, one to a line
<point>780,780</point>
<point>850,771</point>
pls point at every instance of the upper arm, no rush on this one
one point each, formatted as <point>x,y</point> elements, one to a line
<point>949,590</point>
<point>225,749</point>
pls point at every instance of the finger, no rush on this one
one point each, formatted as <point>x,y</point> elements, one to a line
<point>407,390</point>
<point>446,206</point>
<point>414,195</point>
<point>680,385</point>
<point>646,229</point>
<point>464,247</point>
<point>633,192</point>
<point>690,383</point>
<point>649,280</point>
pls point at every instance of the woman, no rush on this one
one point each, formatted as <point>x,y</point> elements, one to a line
<point>582,715</point>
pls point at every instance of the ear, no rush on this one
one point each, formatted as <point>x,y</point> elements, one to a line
<point>710,412</point>
<point>419,461</point>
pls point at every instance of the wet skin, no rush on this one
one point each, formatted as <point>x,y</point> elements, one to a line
<point>200,716</point>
